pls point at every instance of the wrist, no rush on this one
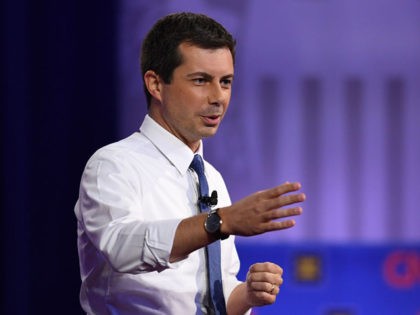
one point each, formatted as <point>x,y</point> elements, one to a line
<point>224,227</point>
<point>214,225</point>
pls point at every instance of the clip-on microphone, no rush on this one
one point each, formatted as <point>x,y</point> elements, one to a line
<point>209,200</point>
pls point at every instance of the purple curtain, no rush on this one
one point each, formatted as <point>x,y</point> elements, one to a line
<point>326,93</point>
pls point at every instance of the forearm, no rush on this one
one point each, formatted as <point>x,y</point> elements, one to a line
<point>238,303</point>
<point>190,235</point>
<point>253,215</point>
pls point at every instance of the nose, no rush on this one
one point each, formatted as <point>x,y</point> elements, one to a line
<point>217,95</point>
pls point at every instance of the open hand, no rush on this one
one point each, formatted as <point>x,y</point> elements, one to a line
<point>261,211</point>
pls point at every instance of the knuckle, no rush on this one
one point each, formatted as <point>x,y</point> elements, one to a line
<point>280,281</point>
<point>258,196</point>
<point>259,207</point>
<point>253,268</point>
<point>279,190</point>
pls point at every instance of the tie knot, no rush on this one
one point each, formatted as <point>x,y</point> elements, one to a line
<point>198,165</point>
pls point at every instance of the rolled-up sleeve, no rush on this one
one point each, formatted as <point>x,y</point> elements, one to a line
<point>110,211</point>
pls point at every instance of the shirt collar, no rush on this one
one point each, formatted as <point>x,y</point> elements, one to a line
<point>176,151</point>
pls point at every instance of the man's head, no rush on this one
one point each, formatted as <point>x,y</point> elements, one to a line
<point>160,50</point>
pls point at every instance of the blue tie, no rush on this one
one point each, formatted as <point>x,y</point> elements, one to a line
<point>213,249</point>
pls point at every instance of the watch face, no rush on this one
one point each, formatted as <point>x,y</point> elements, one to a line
<point>212,224</point>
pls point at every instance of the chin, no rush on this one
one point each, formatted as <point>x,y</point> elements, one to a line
<point>209,131</point>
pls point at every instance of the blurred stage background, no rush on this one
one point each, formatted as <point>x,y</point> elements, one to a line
<point>326,93</point>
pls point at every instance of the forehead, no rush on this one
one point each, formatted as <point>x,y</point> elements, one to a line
<point>217,61</point>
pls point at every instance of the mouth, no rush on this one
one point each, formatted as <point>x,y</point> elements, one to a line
<point>212,120</point>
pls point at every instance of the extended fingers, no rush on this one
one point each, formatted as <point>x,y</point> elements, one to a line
<point>283,189</point>
<point>285,200</point>
<point>277,197</point>
<point>282,213</point>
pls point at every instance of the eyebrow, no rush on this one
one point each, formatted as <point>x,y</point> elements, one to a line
<point>207,76</point>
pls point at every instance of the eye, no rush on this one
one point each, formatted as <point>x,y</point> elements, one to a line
<point>226,83</point>
<point>199,81</point>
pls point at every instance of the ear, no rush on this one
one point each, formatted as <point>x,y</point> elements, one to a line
<point>153,84</point>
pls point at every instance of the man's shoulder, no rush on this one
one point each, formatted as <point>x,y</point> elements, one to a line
<point>212,170</point>
<point>209,166</point>
<point>134,145</point>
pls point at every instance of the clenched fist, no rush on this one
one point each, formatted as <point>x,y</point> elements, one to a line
<point>263,283</point>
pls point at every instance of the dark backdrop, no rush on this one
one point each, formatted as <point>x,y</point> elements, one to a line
<point>300,112</point>
<point>57,106</point>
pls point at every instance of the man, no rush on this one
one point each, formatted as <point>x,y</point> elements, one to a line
<point>144,245</point>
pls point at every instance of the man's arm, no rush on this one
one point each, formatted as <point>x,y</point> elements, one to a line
<point>256,214</point>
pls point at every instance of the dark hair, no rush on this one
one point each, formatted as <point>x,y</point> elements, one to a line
<point>160,47</point>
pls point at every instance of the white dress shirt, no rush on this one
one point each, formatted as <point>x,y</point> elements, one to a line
<point>133,194</point>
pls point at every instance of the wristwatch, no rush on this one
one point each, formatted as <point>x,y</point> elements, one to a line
<point>213,224</point>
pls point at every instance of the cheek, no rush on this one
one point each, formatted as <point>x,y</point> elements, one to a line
<point>185,96</point>
<point>227,101</point>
